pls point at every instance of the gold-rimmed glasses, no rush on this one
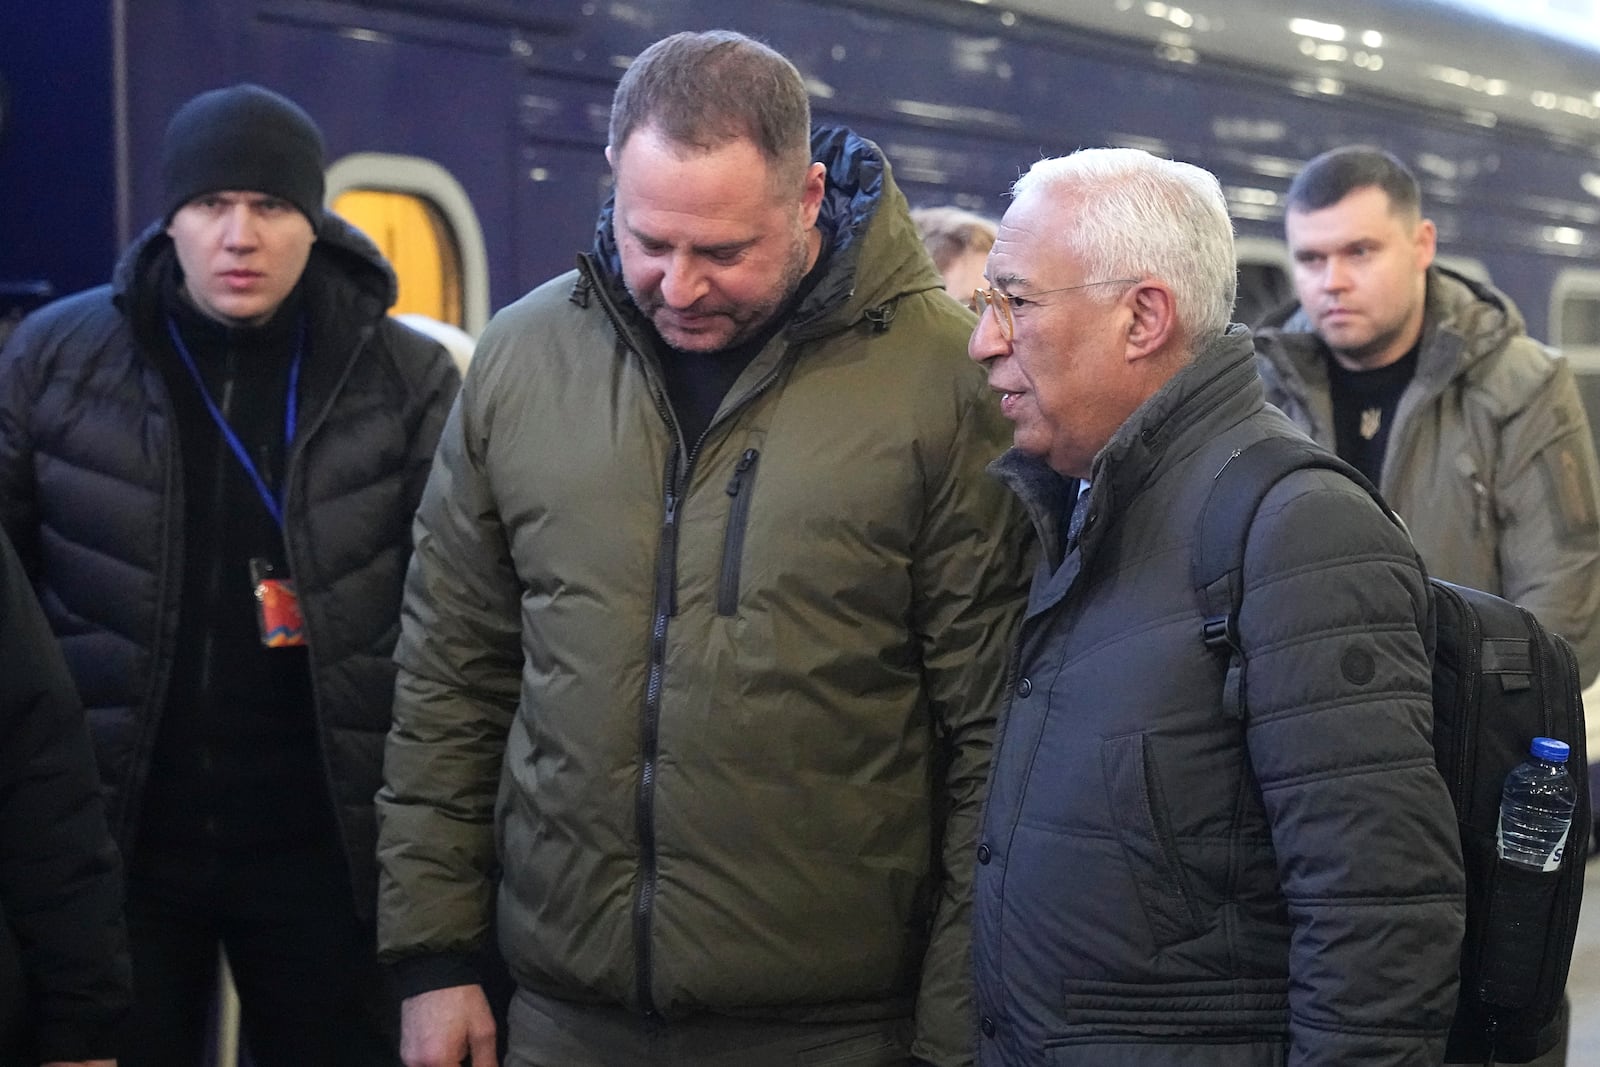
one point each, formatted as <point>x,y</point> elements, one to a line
<point>1003,302</point>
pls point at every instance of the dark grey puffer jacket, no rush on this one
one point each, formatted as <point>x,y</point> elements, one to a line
<point>91,493</point>
<point>1159,882</point>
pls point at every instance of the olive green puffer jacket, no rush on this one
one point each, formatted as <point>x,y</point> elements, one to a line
<point>722,714</point>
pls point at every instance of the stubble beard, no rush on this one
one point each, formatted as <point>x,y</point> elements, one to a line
<point>749,320</point>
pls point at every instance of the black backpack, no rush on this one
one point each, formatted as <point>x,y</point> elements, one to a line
<point>1500,679</point>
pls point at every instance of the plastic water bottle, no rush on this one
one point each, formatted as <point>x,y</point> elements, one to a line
<point>1536,807</point>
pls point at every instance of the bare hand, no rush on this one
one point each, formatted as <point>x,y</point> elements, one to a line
<point>441,1027</point>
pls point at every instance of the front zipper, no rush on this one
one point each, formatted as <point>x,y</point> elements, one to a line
<point>665,606</point>
<point>650,736</point>
<point>740,487</point>
<point>292,451</point>
<point>132,786</point>
<point>662,610</point>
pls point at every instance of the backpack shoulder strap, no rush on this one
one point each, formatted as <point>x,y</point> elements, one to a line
<point>1217,565</point>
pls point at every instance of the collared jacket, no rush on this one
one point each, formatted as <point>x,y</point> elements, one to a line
<point>1162,882</point>
<point>1490,460</point>
<point>722,710</point>
<point>91,492</point>
<point>64,976</point>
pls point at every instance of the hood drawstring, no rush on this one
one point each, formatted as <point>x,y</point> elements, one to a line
<point>881,316</point>
<point>581,291</point>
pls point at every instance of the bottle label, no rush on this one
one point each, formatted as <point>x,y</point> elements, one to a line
<point>1552,864</point>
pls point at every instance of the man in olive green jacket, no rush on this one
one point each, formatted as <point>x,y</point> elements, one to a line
<point>1427,381</point>
<point>705,632</point>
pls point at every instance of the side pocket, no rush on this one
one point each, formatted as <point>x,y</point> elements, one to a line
<point>1515,935</point>
<point>1133,795</point>
<point>740,487</point>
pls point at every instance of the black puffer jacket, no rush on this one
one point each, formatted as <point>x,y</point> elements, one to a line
<point>64,978</point>
<point>1160,882</point>
<point>91,493</point>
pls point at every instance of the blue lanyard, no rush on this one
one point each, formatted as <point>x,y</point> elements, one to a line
<point>290,414</point>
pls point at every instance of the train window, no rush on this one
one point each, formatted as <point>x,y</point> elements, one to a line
<point>414,237</point>
<point>1264,283</point>
<point>1575,317</point>
<point>1580,320</point>
<point>422,220</point>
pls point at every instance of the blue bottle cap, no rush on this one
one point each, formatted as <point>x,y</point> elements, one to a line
<point>1551,749</point>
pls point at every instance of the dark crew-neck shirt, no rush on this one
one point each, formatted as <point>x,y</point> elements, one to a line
<point>697,382</point>
<point>1364,404</point>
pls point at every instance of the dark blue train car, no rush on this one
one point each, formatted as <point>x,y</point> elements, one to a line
<point>487,119</point>
<point>467,135</point>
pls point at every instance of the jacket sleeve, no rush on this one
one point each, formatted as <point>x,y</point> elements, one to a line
<point>970,574</point>
<point>459,659</point>
<point>1336,628</point>
<point>1548,501</point>
<point>61,881</point>
<point>18,507</point>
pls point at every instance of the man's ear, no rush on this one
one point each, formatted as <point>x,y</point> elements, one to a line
<point>811,190</point>
<point>1152,320</point>
<point>1427,241</point>
<point>610,158</point>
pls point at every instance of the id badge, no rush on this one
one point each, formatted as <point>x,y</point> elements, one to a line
<point>277,606</point>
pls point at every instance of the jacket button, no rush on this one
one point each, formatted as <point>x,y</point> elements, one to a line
<point>987,1026</point>
<point>983,853</point>
<point>1024,687</point>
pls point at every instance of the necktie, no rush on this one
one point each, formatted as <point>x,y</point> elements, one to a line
<point>1075,522</point>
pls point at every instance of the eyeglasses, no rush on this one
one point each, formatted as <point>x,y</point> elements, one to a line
<point>1003,302</point>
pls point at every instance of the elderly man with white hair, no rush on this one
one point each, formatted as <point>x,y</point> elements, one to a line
<point>1166,876</point>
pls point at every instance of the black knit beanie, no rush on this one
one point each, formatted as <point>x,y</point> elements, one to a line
<point>244,138</point>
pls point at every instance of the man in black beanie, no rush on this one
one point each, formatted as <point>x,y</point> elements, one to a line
<point>209,468</point>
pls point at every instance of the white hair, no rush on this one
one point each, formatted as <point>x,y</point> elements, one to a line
<point>1145,216</point>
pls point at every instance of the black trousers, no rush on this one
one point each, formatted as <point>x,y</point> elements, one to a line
<point>310,989</point>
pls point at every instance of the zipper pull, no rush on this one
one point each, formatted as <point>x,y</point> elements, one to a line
<point>1480,491</point>
<point>737,480</point>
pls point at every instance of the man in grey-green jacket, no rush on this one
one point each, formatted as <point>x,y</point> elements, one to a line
<point>1427,381</point>
<point>705,632</point>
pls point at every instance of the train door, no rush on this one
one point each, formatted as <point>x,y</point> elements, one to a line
<point>422,221</point>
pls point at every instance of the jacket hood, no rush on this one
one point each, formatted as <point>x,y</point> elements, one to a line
<point>867,234</point>
<point>339,248</point>
<point>1479,317</point>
